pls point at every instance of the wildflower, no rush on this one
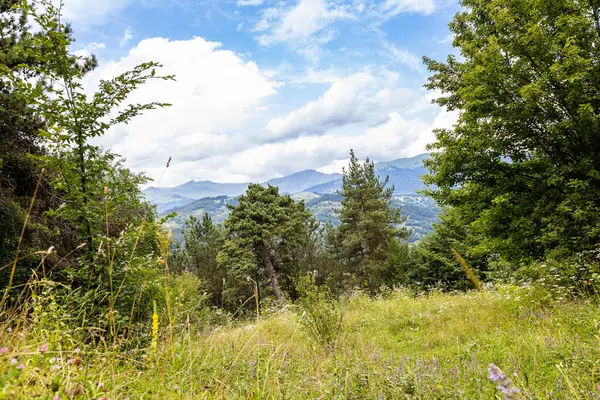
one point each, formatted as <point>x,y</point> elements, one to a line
<point>56,397</point>
<point>496,374</point>
<point>154,327</point>
<point>9,330</point>
<point>21,366</point>
<point>100,385</point>
<point>43,348</point>
<point>3,350</point>
<point>13,361</point>
<point>505,385</point>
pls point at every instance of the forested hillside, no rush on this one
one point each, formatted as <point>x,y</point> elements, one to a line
<point>472,271</point>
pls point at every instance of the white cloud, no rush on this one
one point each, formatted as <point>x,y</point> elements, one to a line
<point>363,97</point>
<point>342,104</point>
<point>393,138</point>
<point>127,36</point>
<point>215,100</point>
<point>310,24</point>
<point>365,111</point>
<point>392,8</point>
<point>92,48</point>
<point>222,127</point>
<point>242,3</point>
<point>405,57</point>
<point>306,26</point>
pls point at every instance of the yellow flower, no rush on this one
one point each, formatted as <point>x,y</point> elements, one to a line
<point>154,327</point>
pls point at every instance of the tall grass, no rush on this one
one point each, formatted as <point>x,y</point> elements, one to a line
<point>436,346</point>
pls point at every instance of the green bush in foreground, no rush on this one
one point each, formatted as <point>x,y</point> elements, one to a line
<point>436,346</point>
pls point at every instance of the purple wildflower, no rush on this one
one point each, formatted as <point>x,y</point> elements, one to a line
<point>496,374</point>
<point>21,366</point>
<point>505,385</point>
<point>43,348</point>
<point>3,350</point>
<point>13,361</point>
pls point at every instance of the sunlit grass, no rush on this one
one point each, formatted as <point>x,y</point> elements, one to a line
<point>436,346</point>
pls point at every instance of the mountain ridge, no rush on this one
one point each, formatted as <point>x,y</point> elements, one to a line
<point>405,180</point>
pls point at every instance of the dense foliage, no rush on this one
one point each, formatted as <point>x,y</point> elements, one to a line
<point>19,128</point>
<point>521,167</point>
<point>263,235</point>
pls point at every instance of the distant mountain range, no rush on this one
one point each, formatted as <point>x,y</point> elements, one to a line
<point>422,211</point>
<point>317,189</point>
<point>404,174</point>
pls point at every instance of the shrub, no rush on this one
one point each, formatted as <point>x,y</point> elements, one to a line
<point>322,312</point>
<point>574,276</point>
<point>190,303</point>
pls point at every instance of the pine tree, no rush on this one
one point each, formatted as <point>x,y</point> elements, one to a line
<point>368,221</point>
<point>203,242</point>
<point>262,230</point>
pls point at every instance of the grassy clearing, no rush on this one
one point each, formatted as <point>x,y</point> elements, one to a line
<point>439,346</point>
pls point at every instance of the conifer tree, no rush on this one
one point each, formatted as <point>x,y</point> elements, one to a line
<point>203,242</point>
<point>368,221</point>
<point>261,231</point>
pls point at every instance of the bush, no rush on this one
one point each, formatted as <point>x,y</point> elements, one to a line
<point>322,312</point>
<point>558,278</point>
<point>190,303</point>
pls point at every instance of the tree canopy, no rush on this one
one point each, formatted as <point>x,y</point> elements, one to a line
<point>522,164</point>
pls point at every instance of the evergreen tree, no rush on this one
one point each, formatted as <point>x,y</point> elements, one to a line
<point>203,242</point>
<point>369,223</point>
<point>261,233</point>
<point>522,165</point>
<point>19,127</point>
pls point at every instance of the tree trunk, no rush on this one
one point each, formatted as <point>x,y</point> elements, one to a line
<point>273,277</point>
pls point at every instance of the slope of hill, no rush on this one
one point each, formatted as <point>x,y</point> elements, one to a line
<point>406,181</point>
<point>422,211</point>
<point>170,197</point>
<point>302,180</point>
<point>194,190</point>
<point>317,189</point>
<point>404,174</point>
<point>408,163</point>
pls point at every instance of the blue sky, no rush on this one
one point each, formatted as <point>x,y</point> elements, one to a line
<point>267,88</point>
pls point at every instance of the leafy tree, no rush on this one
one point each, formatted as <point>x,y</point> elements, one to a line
<point>73,118</point>
<point>261,233</point>
<point>203,242</point>
<point>98,198</point>
<point>432,262</point>
<point>369,223</point>
<point>521,166</point>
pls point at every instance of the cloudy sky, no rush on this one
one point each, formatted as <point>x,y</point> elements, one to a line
<point>266,88</point>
